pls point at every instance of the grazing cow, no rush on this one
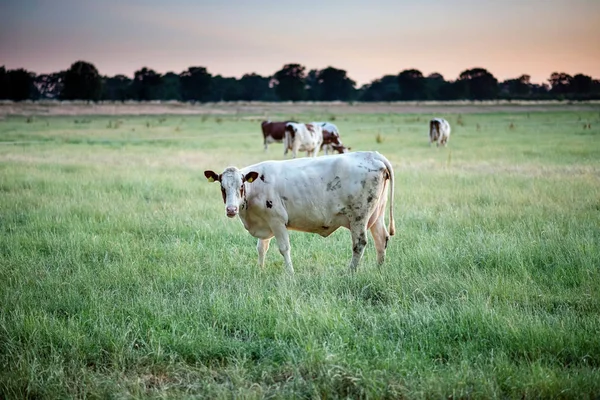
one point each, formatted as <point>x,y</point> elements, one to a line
<point>316,195</point>
<point>331,139</point>
<point>303,137</point>
<point>439,131</point>
<point>273,132</point>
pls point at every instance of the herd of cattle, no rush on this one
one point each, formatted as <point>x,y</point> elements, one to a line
<point>315,195</point>
<point>304,137</point>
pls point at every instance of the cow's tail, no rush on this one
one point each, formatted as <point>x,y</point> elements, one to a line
<point>390,171</point>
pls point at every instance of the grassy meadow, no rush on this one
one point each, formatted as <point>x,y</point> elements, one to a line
<point>121,276</point>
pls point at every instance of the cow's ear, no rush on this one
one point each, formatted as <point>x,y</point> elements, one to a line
<point>251,176</point>
<point>211,176</point>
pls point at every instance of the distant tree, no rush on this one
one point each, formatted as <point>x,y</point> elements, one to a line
<point>383,89</point>
<point>18,85</point>
<point>433,84</point>
<point>195,84</point>
<point>334,84</point>
<point>582,84</point>
<point>3,83</point>
<point>311,83</point>
<point>560,83</point>
<point>412,85</point>
<point>146,85</point>
<point>171,87</point>
<point>82,82</point>
<point>516,88</point>
<point>116,88</point>
<point>290,82</point>
<point>224,89</point>
<point>478,84</point>
<point>256,87</point>
<point>50,86</point>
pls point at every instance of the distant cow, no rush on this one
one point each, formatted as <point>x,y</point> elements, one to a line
<point>273,132</point>
<point>331,139</point>
<point>439,131</point>
<point>303,137</point>
<point>315,195</point>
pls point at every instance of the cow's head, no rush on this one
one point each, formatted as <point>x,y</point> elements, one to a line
<point>331,137</point>
<point>341,148</point>
<point>232,187</point>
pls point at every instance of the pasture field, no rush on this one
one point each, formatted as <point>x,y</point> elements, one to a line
<point>121,276</point>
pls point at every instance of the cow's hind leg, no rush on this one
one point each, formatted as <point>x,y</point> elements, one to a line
<point>261,247</point>
<point>358,230</point>
<point>380,237</point>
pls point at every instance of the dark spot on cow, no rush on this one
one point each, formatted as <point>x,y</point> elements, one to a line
<point>363,183</point>
<point>269,204</point>
<point>325,227</point>
<point>359,245</point>
<point>284,198</point>
<point>370,199</point>
<point>262,178</point>
<point>335,184</point>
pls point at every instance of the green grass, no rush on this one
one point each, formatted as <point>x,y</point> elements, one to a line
<point>121,276</point>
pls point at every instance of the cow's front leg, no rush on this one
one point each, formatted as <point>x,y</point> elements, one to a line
<point>358,229</point>
<point>262,246</point>
<point>283,241</point>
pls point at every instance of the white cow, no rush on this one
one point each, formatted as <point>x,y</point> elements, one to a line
<point>316,195</point>
<point>303,137</point>
<point>439,131</point>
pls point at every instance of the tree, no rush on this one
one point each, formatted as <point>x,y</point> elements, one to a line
<point>146,84</point>
<point>478,84</point>
<point>82,82</point>
<point>433,84</point>
<point>224,89</point>
<point>560,83</point>
<point>256,87</point>
<point>3,83</point>
<point>384,89</point>
<point>170,87</point>
<point>334,84</point>
<point>582,84</point>
<point>519,87</point>
<point>18,84</point>
<point>313,90</point>
<point>290,82</point>
<point>412,85</point>
<point>116,88</point>
<point>50,86</point>
<point>195,84</point>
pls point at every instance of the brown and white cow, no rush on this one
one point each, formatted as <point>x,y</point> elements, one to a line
<point>439,131</point>
<point>331,139</point>
<point>273,132</point>
<point>316,195</point>
<point>303,137</point>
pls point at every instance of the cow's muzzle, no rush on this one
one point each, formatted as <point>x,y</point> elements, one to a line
<point>231,211</point>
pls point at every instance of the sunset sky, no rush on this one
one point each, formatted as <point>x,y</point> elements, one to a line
<point>367,39</point>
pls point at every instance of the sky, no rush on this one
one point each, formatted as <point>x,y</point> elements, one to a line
<point>368,39</point>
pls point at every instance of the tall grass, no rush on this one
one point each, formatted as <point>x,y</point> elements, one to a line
<point>122,277</point>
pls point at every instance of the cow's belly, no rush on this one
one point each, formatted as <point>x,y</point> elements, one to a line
<point>270,139</point>
<point>322,226</point>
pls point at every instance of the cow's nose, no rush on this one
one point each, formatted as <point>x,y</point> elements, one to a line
<point>231,211</point>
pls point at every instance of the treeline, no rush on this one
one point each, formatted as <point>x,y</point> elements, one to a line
<point>82,81</point>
